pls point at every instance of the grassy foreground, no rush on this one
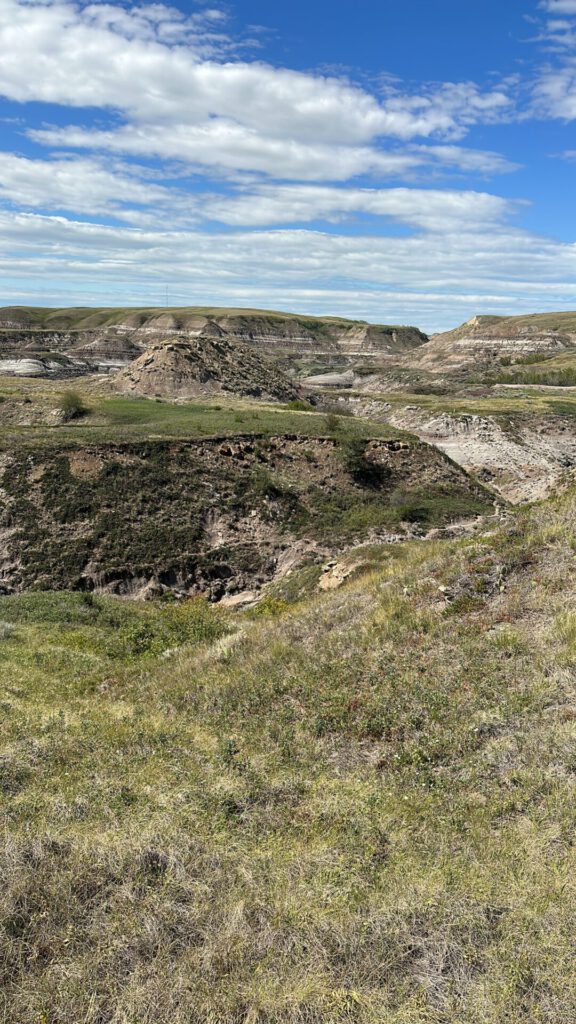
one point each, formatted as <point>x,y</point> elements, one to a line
<point>358,808</point>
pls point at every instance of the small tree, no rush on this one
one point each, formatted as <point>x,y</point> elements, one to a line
<point>72,406</point>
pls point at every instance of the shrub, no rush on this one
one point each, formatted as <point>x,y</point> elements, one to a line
<point>332,422</point>
<point>299,405</point>
<point>72,406</point>
<point>361,468</point>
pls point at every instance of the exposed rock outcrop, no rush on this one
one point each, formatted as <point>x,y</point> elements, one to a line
<point>486,339</point>
<point>118,335</point>
<point>525,458</point>
<point>205,365</point>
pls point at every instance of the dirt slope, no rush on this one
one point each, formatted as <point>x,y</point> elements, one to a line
<point>524,458</point>
<point>215,516</point>
<point>205,365</point>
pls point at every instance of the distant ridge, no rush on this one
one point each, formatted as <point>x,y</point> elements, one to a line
<point>489,338</point>
<point>118,334</point>
<point>167,318</point>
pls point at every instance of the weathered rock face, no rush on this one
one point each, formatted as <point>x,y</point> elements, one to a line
<point>485,339</point>
<point>526,459</point>
<point>205,365</point>
<point>215,516</point>
<point>118,335</point>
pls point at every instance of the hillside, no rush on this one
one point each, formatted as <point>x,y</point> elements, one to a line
<point>98,338</point>
<point>207,364</point>
<point>357,808</point>
<point>287,693</point>
<point>138,496</point>
<point>485,339</point>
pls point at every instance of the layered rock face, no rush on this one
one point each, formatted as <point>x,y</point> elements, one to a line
<point>105,337</point>
<point>485,339</point>
<point>208,364</point>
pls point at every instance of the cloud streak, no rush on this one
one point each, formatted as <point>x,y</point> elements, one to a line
<point>422,277</point>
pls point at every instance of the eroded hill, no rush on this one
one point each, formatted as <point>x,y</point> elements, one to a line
<point>204,365</point>
<point>486,339</point>
<point>100,338</point>
<point>216,516</point>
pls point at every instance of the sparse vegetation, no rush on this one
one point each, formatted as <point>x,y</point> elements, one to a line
<point>299,405</point>
<point>558,378</point>
<point>343,807</point>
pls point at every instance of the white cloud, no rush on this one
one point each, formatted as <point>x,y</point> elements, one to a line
<point>559,6</point>
<point>462,158</point>
<point>234,114</point>
<point>433,210</point>
<point>423,278</point>
<point>231,147</point>
<point>555,92</point>
<point>85,186</point>
<point>77,185</point>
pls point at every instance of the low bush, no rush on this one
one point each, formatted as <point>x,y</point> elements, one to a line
<point>72,406</point>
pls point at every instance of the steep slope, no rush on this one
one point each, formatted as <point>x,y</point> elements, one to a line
<point>523,449</point>
<point>486,339</point>
<point>207,364</point>
<point>213,516</point>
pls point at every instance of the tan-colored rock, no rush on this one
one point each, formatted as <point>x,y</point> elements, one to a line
<point>208,364</point>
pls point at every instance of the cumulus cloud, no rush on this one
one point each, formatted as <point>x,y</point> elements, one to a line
<point>86,186</point>
<point>149,66</point>
<point>79,186</point>
<point>85,58</point>
<point>433,210</point>
<point>230,147</point>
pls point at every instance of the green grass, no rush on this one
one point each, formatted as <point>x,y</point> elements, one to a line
<point>86,317</point>
<point>356,810</point>
<point>132,419</point>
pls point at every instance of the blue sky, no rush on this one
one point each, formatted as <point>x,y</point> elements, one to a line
<point>407,163</point>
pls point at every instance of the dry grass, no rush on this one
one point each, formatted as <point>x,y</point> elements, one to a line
<point>358,809</point>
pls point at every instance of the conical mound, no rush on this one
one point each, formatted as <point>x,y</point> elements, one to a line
<point>207,364</point>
